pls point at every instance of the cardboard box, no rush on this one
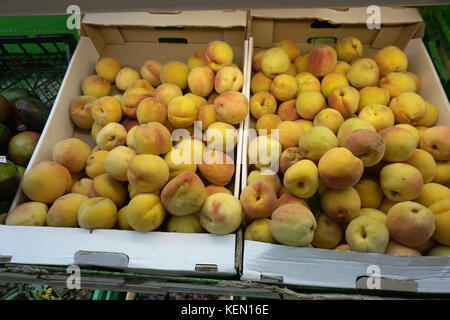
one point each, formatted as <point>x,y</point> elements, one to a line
<point>131,38</point>
<point>327,268</point>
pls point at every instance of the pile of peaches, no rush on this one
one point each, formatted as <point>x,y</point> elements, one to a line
<point>151,168</point>
<point>350,138</point>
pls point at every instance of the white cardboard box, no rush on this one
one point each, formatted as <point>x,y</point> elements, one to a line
<point>131,38</point>
<point>328,268</point>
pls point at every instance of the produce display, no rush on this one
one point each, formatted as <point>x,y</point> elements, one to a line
<point>347,155</point>
<point>165,140</point>
<point>22,119</point>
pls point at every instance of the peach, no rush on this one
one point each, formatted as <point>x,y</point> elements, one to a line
<point>145,212</point>
<point>442,233</point>
<point>150,110</point>
<point>231,107</point>
<point>80,111</point>
<point>408,107</point>
<point>431,193</point>
<point>284,87</point>
<point>83,186</point>
<point>349,49</point>
<point>259,230</point>
<point>63,212</point>
<point>152,138</point>
<point>95,86</point>
<point>267,176</point>
<point>390,59</point>
<point>415,78</point>
<point>397,83</point>
<point>321,60</point>
<point>182,112</point>
<point>344,99</point>
<point>178,167</point>
<point>387,204</point>
<point>165,92</point>
<point>147,172</point>
<point>365,234</point>
<point>184,194</point>
<point>301,63</point>
<point>275,61</point>
<point>133,96</point>
<point>217,54</point>
<point>46,182</point>
<point>289,133</point>
<point>72,153</point>
<point>373,213</point>
<point>287,198</point>
<point>307,82</point>
<point>28,214</point>
<point>111,136</point>
<point>343,247</point>
<point>212,188</point>
<point>207,115</point>
<point>126,77</point>
<point>316,142</point>
<point>228,79</point>
<point>439,251</point>
<point>401,182</point>
<point>309,104</point>
<point>217,167</point>
<point>262,103</point>
<point>292,71</point>
<point>185,224</point>
<point>95,163</point>
<point>196,60</point>
<point>290,48</point>
<point>108,68</point>
<point>175,72</point>
<point>440,206</point>
<point>363,72</point>
<point>424,162</point>
<point>116,162</point>
<point>436,141</point>
<point>105,110</point>
<point>351,125</point>
<point>256,60</point>
<point>95,130</point>
<point>302,179</point>
<point>306,124</point>
<point>370,193</point>
<point>196,99</point>
<point>221,214</point>
<point>212,97</point>
<point>268,122</point>
<point>379,115</point>
<point>293,225</point>
<point>221,136</point>
<point>341,205</point>
<point>373,95</point>
<point>287,111</point>
<point>413,130</point>
<point>367,145</point>
<point>260,82</point>
<point>150,71</point>
<point>400,144</point>
<point>331,81</point>
<point>430,116</point>
<point>129,123</point>
<point>442,173</point>
<point>290,156</point>
<point>258,200</point>
<point>410,223</point>
<point>328,233</point>
<point>341,67</point>
<point>201,81</point>
<point>330,118</point>
<point>105,186</point>
<point>75,177</point>
<point>97,213</point>
<point>340,169</point>
<point>122,221</point>
<point>185,156</point>
<point>264,152</point>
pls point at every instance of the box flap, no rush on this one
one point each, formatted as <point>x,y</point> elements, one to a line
<point>216,19</point>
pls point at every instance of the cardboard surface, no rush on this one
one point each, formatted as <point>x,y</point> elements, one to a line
<point>152,252</point>
<point>327,268</point>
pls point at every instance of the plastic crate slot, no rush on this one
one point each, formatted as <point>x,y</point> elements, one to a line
<point>322,40</point>
<point>323,24</point>
<point>172,40</point>
<point>206,268</point>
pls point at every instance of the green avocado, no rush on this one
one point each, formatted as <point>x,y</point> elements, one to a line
<point>5,135</point>
<point>33,113</point>
<point>15,93</point>
<point>9,180</point>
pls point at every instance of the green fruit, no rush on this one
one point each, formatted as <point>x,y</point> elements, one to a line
<point>439,251</point>
<point>13,94</point>
<point>21,147</point>
<point>21,170</point>
<point>5,135</point>
<point>33,113</point>
<point>5,109</point>
<point>9,180</point>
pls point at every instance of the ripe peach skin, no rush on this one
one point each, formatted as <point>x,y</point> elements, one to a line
<point>267,176</point>
<point>108,68</point>
<point>302,179</point>
<point>145,212</point>
<point>401,182</point>
<point>363,72</point>
<point>231,107</point>
<point>400,144</point>
<point>217,167</point>
<point>95,86</point>
<point>105,186</point>
<point>221,214</point>
<point>201,81</point>
<point>289,157</point>
<point>366,145</point>
<point>330,118</point>
<point>150,71</point>
<point>328,233</point>
<point>259,230</point>
<point>408,107</point>
<point>63,212</point>
<point>152,138</point>
<point>28,214</point>
<point>217,54</point>
<point>365,234</point>
<point>373,95</point>
<point>262,103</point>
<point>436,141</point>
<point>341,205</point>
<point>97,213</point>
<point>344,99</point>
<point>228,78</point>
<point>80,111</point>
<point>321,60</point>
<point>125,78</point>
<point>258,200</point>
<point>391,58</point>
<point>309,103</point>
